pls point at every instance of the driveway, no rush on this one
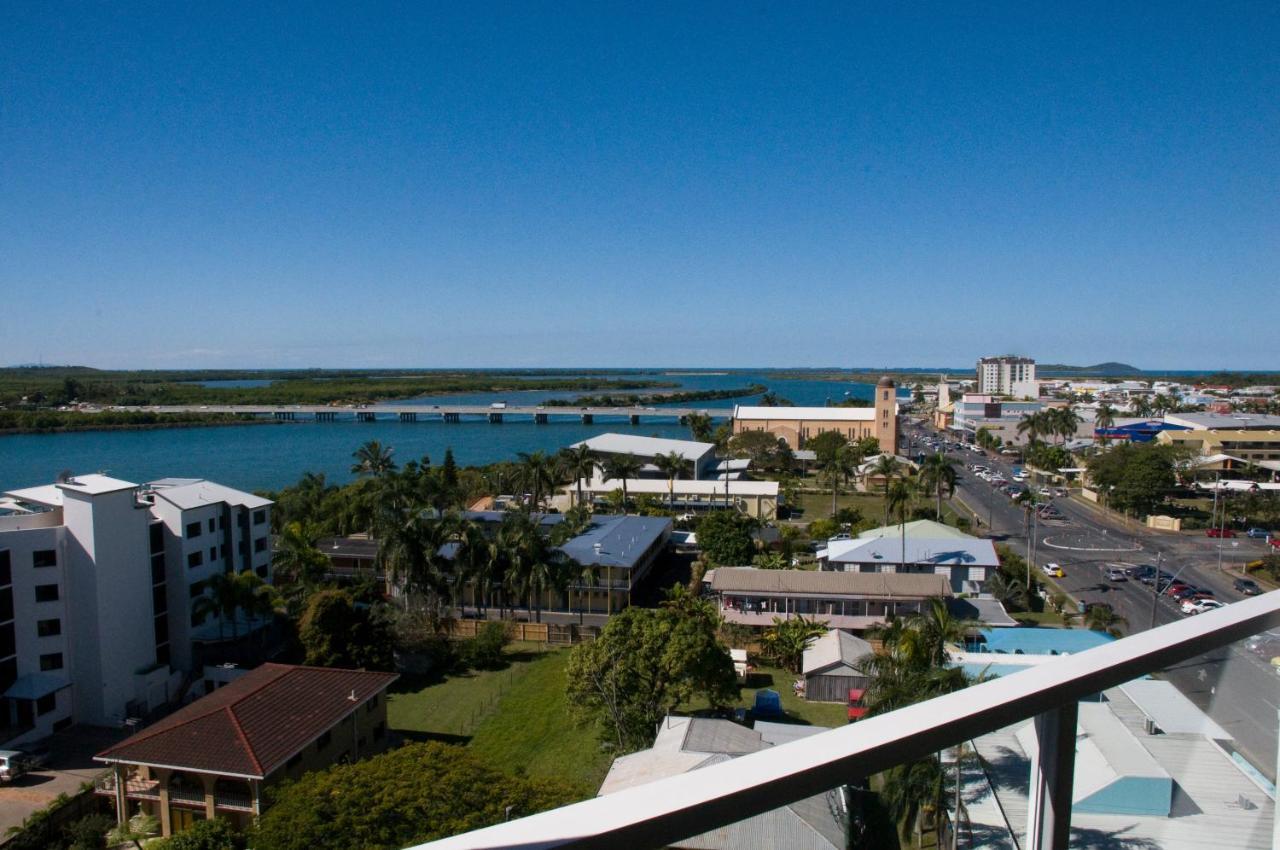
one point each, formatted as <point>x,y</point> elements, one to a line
<point>70,766</point>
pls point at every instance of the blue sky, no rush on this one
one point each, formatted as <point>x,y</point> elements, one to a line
<point>739,184</point>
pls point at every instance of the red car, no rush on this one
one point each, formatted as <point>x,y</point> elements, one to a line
<point>857,710</point>
<point>1219,532</point>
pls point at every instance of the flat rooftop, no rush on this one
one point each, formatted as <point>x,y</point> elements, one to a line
<point>633,444</point>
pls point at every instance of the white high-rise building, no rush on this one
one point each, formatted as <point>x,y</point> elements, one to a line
<point>98,578</point>
<point>1009,376</point>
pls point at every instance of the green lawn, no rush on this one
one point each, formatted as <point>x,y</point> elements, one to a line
<point>796,709</point>
<point>1047,617</point>
<point>870,505</point>
<point>516,718</point>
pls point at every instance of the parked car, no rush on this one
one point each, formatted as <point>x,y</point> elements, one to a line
<point>1116,574</point>
<point>15,763</point>
<point>1054,571</point>
<point>1219,532</point>
<point>1199,606</point>
<point>1258,533</point>
<point>1247,586</point>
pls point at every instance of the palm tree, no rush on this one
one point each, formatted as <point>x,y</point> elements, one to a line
<point>887,468</point>
<point>373,459</point>
<point>1031,425</point>
<point>1101,618</point>
<point>474,563</point>
<point>938,475</point>
<point>1066,420</point>
<point>1104,420</point>
<point>578,463</point>
<point>786,640</point>
<point>700,426</point>
<point>411,556</point>
<point>621,468</point>
<point>137,829</point>
<point>670,465</point>
<point>537,472</point>
<point>297,563</point>
<point>837,466</point>
<point>897,499</point>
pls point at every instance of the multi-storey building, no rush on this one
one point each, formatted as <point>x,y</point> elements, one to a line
<point>796,425</point>
<point>1008,375</point>
<point>97,582</point>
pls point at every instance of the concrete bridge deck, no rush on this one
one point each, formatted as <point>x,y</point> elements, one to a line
<point>541,414</point>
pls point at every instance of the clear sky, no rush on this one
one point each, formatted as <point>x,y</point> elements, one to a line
<point>756,184</point>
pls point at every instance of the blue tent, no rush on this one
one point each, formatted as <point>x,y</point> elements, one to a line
<point>768,704</point>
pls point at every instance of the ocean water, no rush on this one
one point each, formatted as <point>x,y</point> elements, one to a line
<point>274,455</point>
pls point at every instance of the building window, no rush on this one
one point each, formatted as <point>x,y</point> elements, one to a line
<point>8,640</point>
<point>196,589</point>
<point>324,740</point>
<point>157,569</point>
<point>222,523</point>
<point>48,628</point>
<point>195,559</point>
<point>159,599</point>
<point>6,573</point>
<point>51,661</point>
<point>259,517</point>
<point>211,525</point>
<point>213,554</point>
<point>6,604</point>
<point>260,545</point>
<point>161,628</point>
<point>162,654</point>
<point>8,672</point>
<point>197,616</point>
<point>44,558</point>
<point>157,538</point>
<point>193,530</point>
<point>46,704</point>
<point>46,593</point>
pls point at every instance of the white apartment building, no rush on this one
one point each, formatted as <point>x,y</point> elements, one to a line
<point>1008,375</point>
<point>98,577</point>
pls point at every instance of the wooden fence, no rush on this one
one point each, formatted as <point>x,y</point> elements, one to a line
<point>555,634</point>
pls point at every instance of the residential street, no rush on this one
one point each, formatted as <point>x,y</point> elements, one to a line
<point>1237,689</point>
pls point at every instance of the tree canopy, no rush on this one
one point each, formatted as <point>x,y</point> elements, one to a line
<point>645,664</point>
<point>417,793</point>
<point>725,537</point>
<point>335,632</point>
<point>1135,477</point>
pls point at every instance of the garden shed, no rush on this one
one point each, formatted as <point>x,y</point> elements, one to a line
<point>831,666</point>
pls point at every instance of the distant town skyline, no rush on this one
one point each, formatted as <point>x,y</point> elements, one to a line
<point>444,187</point>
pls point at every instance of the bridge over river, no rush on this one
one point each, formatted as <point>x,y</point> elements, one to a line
<point>541,414</point>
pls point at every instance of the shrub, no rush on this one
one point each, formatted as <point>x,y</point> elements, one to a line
<point>484,651</point>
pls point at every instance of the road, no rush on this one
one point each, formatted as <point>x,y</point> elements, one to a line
<point>1240,691</point>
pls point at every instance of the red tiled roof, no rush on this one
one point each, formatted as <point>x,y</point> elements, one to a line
<point>253,725</point>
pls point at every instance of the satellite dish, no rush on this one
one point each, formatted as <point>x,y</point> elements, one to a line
<point>64,476</point>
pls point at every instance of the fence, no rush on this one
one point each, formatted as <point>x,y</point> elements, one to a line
<point>555,634</point>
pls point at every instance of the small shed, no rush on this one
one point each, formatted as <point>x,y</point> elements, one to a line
<point>831,666</point>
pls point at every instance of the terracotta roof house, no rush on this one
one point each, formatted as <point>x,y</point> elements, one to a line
<point>213,757</point>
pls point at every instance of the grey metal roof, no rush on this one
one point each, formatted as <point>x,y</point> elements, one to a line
<point>989,612</point>
<point>967,552</point>
<point>813,582</point>
<point>634,444</point>
<point>623,540</point>
<point>836,647</point>
<point>348,547</point>
<point>707,735</point>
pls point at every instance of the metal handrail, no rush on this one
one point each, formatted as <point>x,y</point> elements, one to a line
<point>664,811</point>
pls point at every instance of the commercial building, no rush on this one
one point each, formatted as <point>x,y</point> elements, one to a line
<point>691,743</point>
<point>98,577</point>
<point>797,425</point>
<point>1247,437</point>
<point>923,546</point>
<point>215,757</point>
<point>999,416</point>
<point>843,600</point>
<point>699,458</point>
<point>1008,376</point>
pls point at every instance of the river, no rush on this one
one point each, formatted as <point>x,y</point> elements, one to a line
<point>254,457</point>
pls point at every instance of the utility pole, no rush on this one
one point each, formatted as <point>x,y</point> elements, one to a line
<point>1155,589</point>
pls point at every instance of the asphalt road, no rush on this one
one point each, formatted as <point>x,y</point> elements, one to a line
<point>1240,691</point>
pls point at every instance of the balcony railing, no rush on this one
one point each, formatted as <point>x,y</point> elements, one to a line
<point>668,810</point>
<point>149,789</point>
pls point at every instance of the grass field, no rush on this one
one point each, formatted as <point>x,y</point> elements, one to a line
<point>518,719</point>
<point>870,505</point>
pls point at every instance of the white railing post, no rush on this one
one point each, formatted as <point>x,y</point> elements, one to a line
<point>1052,777</point>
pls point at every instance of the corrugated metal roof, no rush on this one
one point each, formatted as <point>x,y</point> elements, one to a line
<point>835,647</point>
<point>809,414</point>
<point>634,444</point>
<point>752,580</point>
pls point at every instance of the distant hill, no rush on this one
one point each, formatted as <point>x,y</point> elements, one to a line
<point>1110,369</point>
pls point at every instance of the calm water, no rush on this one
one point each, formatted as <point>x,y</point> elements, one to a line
<point>272,456</point>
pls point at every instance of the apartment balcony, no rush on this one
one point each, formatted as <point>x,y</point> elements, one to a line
<point>1072,752</point>
<point>149,790</point>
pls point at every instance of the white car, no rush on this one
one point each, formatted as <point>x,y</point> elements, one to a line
<point>1199,606</point>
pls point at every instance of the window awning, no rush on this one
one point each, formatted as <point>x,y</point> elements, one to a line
<point>36,685</point>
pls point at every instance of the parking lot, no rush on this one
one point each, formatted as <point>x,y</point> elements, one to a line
<point>70,766</point>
